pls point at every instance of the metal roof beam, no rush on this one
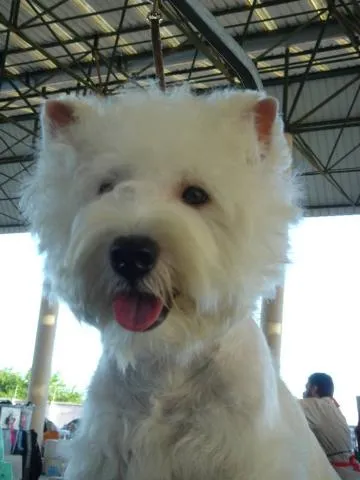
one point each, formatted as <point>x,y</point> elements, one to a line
<point>213,33</point>
<point>33,23</point>
<point>133,63</point>
<point>16,159</point>
<point>253,43</point>
<point>30,24</point>
<point>341,171</point>
<point>339,72</point>
<point>333,124</point>
<point>329,208</point>
<point>268,83</point>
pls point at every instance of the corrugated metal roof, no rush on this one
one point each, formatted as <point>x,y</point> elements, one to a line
<point>54,53</point>
<point>326,212</point>
<point>317,92</point>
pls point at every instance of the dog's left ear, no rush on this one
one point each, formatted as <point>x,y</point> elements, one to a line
<point>266,111</point>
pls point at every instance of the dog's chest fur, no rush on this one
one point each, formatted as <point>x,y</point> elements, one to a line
<point>205,419</point>
<point>162,410</point>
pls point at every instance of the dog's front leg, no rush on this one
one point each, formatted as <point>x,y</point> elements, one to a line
<point>148,459</point>
<point>96,455</point>
<point>95,466</point>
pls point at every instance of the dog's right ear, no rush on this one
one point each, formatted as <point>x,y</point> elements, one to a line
<point>58,116</point>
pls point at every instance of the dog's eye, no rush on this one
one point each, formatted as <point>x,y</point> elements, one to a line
<point>106,187</point>
<point>195,196</point>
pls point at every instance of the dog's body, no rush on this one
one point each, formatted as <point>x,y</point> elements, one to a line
<point>173,222</point>
<point>223,415</point>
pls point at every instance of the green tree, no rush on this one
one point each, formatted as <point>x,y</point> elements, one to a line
<point>15,385</point>
<point>59,392</point>
<point>12,384</point>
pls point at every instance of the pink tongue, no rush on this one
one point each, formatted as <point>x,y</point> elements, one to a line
<point>136,313</point>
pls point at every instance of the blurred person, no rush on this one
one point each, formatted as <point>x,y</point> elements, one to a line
<point>329,425</point>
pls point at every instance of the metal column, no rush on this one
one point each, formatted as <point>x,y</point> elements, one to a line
<point>272,314</point>
<point>271,322</point>
<point>41,367</point>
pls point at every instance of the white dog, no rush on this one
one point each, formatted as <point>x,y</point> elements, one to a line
<point>163,218</point>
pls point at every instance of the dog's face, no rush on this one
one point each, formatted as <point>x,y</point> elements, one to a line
<point>161,216</point>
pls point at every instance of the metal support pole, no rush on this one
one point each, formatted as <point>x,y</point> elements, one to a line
<point>154,19</point>
<point>41,367</point>
<point>357,428</point>
<point>271,322</point>
<point>272,314</point>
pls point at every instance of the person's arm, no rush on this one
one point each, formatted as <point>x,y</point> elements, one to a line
<point>304,404</point>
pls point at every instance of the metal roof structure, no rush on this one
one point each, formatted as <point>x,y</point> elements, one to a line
<point>304,52</point>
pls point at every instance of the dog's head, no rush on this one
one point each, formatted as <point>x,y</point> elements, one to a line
<point>162,216</point>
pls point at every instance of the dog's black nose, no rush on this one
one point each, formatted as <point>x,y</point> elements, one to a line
<point>133,257</point>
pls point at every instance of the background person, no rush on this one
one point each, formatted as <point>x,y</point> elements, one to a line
<point>329,425</point>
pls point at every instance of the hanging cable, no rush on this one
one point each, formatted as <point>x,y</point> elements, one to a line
<point>155,18</point>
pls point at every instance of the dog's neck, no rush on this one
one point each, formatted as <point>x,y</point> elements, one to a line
<point>192,356</point>
<point>152,376</point>
<point>163,362</point>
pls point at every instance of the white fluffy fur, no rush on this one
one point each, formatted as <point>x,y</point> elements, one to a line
<point>197,398</point>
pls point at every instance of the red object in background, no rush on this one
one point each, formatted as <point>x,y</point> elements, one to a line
<point>352,462</point>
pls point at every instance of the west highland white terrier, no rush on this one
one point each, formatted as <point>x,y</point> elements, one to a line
<point>163,218</point>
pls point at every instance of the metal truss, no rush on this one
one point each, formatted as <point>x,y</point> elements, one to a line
<point>305,52</point>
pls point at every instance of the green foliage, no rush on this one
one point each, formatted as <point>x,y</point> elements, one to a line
<point>59,392</point>
<point>15,385</point>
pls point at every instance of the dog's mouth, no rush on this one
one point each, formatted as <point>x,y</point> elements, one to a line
<point>139,312</point>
